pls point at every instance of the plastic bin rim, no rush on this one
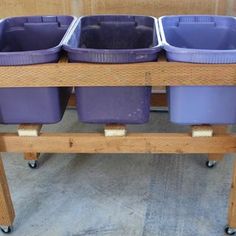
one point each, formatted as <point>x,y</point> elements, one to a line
<point>57,48</point>
<point>156,48</point>
<point>170,48</point>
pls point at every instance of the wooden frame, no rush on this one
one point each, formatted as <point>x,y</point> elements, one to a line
<point>218,143</point>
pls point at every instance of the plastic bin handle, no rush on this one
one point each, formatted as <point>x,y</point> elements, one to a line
<point>184,23</point>
<point>128,23</point>
<point>37,24</point>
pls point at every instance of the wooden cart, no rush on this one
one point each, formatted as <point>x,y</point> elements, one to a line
<point>215,140</point>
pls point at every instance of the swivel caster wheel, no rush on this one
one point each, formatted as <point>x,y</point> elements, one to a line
<point>6,230</point>
<point>33,164</point>
<point>211,164</point>
<point>230,231</point>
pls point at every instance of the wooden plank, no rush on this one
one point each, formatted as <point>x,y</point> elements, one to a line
<point>157,100</point>
<point>115,130</point>
<point>30,130</point>
<point>7,213</point>
<point>202,131</point>
<point>218,130</point>
<point>132,143</point>
<point>140,74</point>
<point>232,201</point>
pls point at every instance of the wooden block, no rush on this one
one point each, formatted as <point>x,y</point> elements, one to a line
<point>115,130</point>
<point>29,130</point>
<point>7,213</point>
<point>202,131</point>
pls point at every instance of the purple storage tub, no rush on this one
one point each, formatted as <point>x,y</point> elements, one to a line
<point>33,40</point>
<point>200,39</point>
<point>114,39</point>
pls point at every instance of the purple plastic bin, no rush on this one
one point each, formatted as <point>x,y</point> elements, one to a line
<point>200,39</point>
<point>33,40</point>
<point>114,39</point>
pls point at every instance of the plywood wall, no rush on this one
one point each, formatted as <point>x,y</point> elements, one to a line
<point>87,7</point>
<point>151,7</point>
<point>33,7</point>
<point>231,7</point>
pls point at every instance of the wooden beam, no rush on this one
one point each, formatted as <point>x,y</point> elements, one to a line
<point>140,74</point>
<point>232,201</point>
<point>30,130</point>
<point>132,143</point>
<point>7,213</point>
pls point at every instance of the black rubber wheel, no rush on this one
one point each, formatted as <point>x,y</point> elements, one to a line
<point>7,230</point>
<point>230,231</point>
<point>34,165</point>
<point>210,165</point>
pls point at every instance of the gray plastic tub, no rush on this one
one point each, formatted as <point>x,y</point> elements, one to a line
<point>32,40</point>
<point>200,39</point>
<point>114,39</point>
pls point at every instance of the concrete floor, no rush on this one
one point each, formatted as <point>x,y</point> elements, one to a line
<point>118,195</point>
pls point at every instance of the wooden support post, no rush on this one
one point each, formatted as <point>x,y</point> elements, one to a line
<point>30,131</point>
<point>7,213</point>
<point>115,130</point>
<point>218,129</point>
<point>232,201</point>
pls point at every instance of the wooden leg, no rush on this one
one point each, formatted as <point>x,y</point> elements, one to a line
<point>232,202</point>
<point>30,131</point>
<point>32,156</point>
<point>7,213</point>
<point>218,129</point>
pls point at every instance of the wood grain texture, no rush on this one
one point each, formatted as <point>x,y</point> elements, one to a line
<point>232,201</point>
<point>132,143</point>
<point>7,213</point>
<point>140,74</point>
